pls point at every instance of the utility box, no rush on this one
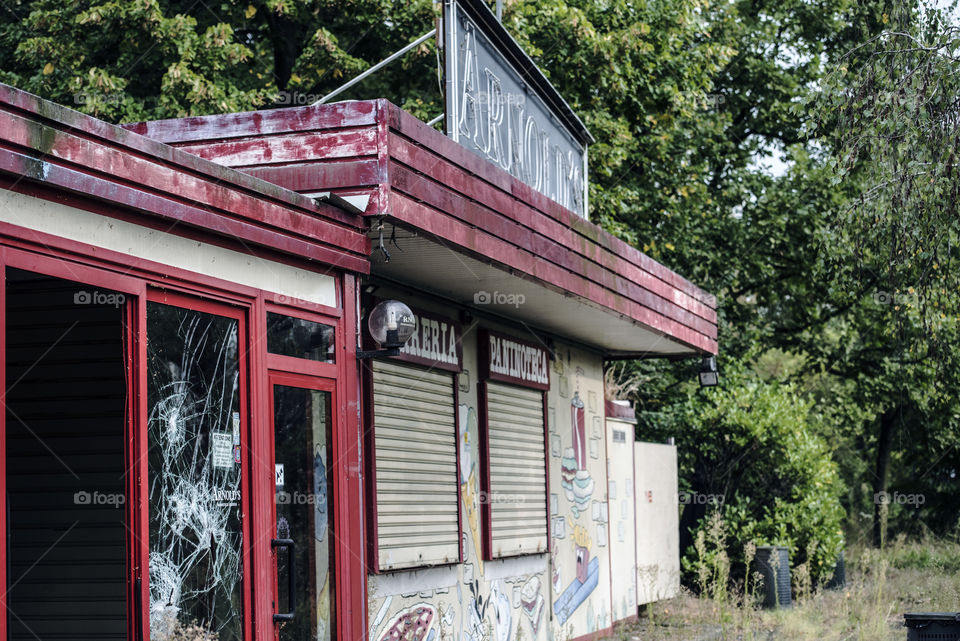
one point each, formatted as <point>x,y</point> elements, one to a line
<point>658,521</point>
<point>620,501</point>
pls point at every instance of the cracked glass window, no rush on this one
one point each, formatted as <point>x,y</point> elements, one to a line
<point>194,459</point>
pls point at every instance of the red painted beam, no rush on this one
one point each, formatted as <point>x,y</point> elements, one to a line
<point>657,295</point>
<point>484,245</point>
<point>299,147</point>
<point>252,123</point>
<point>176,213</point>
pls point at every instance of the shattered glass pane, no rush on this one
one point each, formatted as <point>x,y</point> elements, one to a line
<point>304,486</point>
<point>196,566</point>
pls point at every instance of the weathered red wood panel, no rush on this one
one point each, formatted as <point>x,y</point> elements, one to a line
<point>276,121</point>
<point>627,275</point>
<point>426,181</point>
<point>657,296</point>
<point>307,146</point>
<point>313,177</point>
<point>484,246</point>
<point>52,145</point>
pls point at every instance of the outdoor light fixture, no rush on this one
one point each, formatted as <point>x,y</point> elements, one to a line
<point>708,372</point>
<point>391,324</point>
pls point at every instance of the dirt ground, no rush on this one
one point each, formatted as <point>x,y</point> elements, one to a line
<point>881,587</point>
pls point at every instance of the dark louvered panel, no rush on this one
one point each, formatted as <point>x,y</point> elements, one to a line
<point>65,463</point>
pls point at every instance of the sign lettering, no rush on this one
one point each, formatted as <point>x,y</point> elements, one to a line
<point>511,360</point>
<point>499,105</point>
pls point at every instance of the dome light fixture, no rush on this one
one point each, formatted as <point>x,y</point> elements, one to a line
<point>391,324</point>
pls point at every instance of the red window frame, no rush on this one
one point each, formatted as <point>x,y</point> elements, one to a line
<point>305,381</point>
<point>240,314</point>
<point>77,261</point>
<point>136,289</point>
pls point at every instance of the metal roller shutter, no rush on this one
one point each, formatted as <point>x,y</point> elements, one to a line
<point>518,475</point>
<point>416,462</point>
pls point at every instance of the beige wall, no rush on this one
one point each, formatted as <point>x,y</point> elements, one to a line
<point>658,522</point>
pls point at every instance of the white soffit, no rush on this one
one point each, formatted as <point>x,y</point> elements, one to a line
<point>165,248</point>
<point>431,266</point>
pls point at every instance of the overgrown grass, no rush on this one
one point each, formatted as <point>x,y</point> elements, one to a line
<point>881,587</point>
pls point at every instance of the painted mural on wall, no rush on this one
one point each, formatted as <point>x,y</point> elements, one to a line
<point>469,483</point>
<point>579,513</point>
<point>556,596</point>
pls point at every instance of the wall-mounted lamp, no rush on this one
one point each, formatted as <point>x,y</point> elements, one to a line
<point>708,372</point>
<point>391,324</point>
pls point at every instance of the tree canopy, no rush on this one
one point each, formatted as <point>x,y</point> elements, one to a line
<point>797,159</point>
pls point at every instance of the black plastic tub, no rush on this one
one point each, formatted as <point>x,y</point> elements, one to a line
<point>773,563</point>
<point>932,626</point>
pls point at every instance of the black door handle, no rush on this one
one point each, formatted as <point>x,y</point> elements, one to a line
<point>291,578</point>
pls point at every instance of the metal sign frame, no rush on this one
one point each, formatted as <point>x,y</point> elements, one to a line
<point>546,142</point>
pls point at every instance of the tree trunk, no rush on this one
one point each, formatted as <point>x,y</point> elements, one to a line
<point>882,473</point>
<point>285,36</point>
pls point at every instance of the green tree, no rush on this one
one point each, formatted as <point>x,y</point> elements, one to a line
<point>889,113</point>
<point>754,451</point>
<point>125,61</point>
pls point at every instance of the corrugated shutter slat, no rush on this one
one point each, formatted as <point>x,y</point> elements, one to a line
<point>518,478</point>
<point>416,461</point>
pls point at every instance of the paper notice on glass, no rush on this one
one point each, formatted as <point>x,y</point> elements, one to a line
<point>222,447</point>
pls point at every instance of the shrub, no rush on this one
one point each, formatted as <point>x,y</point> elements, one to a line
<point>754,446</point>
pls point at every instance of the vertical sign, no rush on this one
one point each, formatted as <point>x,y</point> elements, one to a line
<point>502,107</point>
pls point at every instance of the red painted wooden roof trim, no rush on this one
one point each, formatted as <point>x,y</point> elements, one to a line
<point>423,180</point>
<point>48,144</point>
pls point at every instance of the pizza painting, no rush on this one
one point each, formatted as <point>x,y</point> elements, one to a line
<point>412,624</point>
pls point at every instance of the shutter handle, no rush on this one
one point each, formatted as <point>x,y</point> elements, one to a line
<point>291,578</point>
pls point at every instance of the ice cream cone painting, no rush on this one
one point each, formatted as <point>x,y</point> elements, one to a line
<point>578,430</point>
<point>575,480</point>
<point>471,505</point>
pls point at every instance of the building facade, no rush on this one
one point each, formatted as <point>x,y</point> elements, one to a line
<point>190,438</point>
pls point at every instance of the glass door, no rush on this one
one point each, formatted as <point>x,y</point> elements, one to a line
<point>302,410</point>
<point>195,435</point>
